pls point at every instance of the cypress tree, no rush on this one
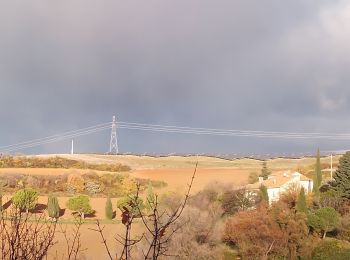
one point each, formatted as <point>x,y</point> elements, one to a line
<point>109,209</point>
<point>301,202</point>
<point>53,207</point>
<point>342,176</point>
<point>264,194</point>
<point>265,172</point>
<point>318,173</point>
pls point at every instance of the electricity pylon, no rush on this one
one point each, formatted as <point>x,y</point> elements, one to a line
<point>113,145</point>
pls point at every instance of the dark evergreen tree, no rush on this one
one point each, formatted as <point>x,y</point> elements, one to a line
<point>318,173</point>
<point>264,194</point>
<point>109,209</point>
<point>301,202</point>
<point>53,207</point>
<point>265,172</point>
<point>342,176</point>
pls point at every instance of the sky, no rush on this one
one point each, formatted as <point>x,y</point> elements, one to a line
<point>253,65</point>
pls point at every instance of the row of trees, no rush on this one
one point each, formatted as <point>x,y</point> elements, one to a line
<point>26,199</point>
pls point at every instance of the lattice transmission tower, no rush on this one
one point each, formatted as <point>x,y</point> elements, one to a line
<point>113,145</point>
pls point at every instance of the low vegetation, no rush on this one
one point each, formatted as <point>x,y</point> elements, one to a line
<point>80,204</point>
<point>57,162</point>
<point>53,208</point>
<point>90,183</point>
<point>25,199</point>
<point>219,222</point>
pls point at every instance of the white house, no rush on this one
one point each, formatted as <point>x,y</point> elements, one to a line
<point>280,182</point>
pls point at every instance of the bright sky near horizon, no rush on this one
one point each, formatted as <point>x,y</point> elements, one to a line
<point>250,65</point>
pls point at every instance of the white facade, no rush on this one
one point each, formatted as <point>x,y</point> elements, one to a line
<point>297,181</point>
<point>279,183</point>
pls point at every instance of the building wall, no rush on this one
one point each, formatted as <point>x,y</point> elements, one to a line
<point>275,193</point>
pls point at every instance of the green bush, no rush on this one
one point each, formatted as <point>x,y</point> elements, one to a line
<point>25,199</point>
<point>109,209</point>
<point>331,249</point>
<point>80,204</point>
<point>323,220</point>
<point>53,208</point>
<point>264,195</point>
<point>131,204</point>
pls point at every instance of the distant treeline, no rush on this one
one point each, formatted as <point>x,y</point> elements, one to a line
<point>57,162</point>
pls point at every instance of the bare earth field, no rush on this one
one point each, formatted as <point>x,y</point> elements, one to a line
<point>174,170</point>
<point>178,179</point>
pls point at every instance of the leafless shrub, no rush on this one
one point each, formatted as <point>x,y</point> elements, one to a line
<point>25,236</point>
<point>160,226</point>
<point>200,235</point>
<point>72,238</point>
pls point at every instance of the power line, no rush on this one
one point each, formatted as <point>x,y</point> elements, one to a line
<point>233,133</point>
<point>233,130</point>
<point>54,136</point>
<point>30,144</point>
<point>173,129</point>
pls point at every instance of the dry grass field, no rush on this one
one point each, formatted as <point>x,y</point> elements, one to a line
<point>176,162</point>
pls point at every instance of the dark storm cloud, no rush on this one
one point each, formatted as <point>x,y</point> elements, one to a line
<point>259,65</point>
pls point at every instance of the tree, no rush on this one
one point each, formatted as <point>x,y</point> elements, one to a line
<point>342,176</point>
<point>264,194</point>
<point>25,199</point>
<point>275,231</point>
<point>109,209</point>
<point>53,207</point>
<point>301,205</point>
<point>324,220</point>
<point>238,200</point>
<point>318,173</point>
<point>333,199</point>
<point>265,172</point>
<point>80,204</point>
<point>344,228</point>
<point>131,205</point>
<point>253,178</point>
<point>151,197</point>
<point>254,232</point>
<point>294,229</point>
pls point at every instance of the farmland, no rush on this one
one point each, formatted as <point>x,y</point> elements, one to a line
<point>174,171</point>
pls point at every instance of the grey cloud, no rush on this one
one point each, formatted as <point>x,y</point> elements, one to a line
<point>274,65</point>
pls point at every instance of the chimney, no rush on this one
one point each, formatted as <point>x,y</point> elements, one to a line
<point>261,180</point>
